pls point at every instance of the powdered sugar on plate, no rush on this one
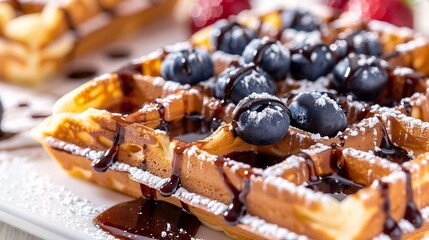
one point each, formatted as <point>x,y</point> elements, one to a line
<point>23,187</point>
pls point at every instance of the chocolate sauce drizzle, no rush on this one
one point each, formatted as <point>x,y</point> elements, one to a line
<point>390,228</point>
<point>255,160</point>
<point>260,50</point>
<point>148,192</point>
<point>335,185</point>
<point>224,30</point>
<point>170,187</point>
<point>408,107</point>
<point>409,87</point>
<point>389,150</point>
<point>399,155</point>
<point>307,51</point>
<point>161,110</point>
<point>314,177</point>
<point>412,213</point>
<point>231,81</point>
<point>111,155</point>
<point>410,83</point>
<point>185,61</point>
<point>355,69</point>
<point>260,102</point>
<point>238,206</point>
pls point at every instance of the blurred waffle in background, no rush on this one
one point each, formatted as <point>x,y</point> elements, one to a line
<point>37,38</point>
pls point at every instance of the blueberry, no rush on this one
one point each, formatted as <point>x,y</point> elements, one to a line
<point>231,37</point>
<point>367,43</point>
<point>311,61</point>
<point>188,66</point>
<point>271,56</point>
<point>317,113</point>
<point>261,119</point>
<point>360,42</point>
<point>239,82</point>
<point>300,20</point>
<point>363,76</point>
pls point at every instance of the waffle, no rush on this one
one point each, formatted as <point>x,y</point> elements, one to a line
<point>178,143</point>
<point>37,38</point>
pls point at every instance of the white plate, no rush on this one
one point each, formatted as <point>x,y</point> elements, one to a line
<point>40,198</point>
<point>36,195</point>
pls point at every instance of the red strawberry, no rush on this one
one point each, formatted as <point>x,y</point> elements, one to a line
<point>337,4</point>
<point>206,12</point>
<point>396,12</point>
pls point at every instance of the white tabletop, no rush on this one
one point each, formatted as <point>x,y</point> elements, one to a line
<point>7,232</point>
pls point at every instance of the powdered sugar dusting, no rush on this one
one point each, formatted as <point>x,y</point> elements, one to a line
<point>308,195</point>
<point>39,195</point>
<point>269,229</point>
<point>371,158</point>
<point>213,206</point>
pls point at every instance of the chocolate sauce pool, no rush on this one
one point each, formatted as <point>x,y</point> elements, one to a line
<point>145,218</point>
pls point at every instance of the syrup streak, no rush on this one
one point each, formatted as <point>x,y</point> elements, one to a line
<point>390,228</point>
<point>260,50</point>
<point>111,155</point>
<point>314,177</point>
<point>238,206</point>
<point>399,155</point>
<point>412,213</point>
<point>231,81</point>
<point>170,187</point>
<point>224,30</point>
<point>389,150</point>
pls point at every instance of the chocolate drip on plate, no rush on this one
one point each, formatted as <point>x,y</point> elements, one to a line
<point>82,73</point>
<point>111,155</point>
<point>6,135</point>
<point>118,53</point>
<point>148,219</point>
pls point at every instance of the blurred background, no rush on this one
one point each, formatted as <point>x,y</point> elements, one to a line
<point>407,13</point>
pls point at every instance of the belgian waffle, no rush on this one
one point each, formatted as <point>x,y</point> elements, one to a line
<point>367,181</point>
<point>38,37</point>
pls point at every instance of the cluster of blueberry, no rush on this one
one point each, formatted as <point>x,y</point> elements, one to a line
<point>352,61</point>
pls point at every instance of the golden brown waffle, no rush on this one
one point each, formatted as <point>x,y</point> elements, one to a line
<point>38,37</point>
<point>133,124</point>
